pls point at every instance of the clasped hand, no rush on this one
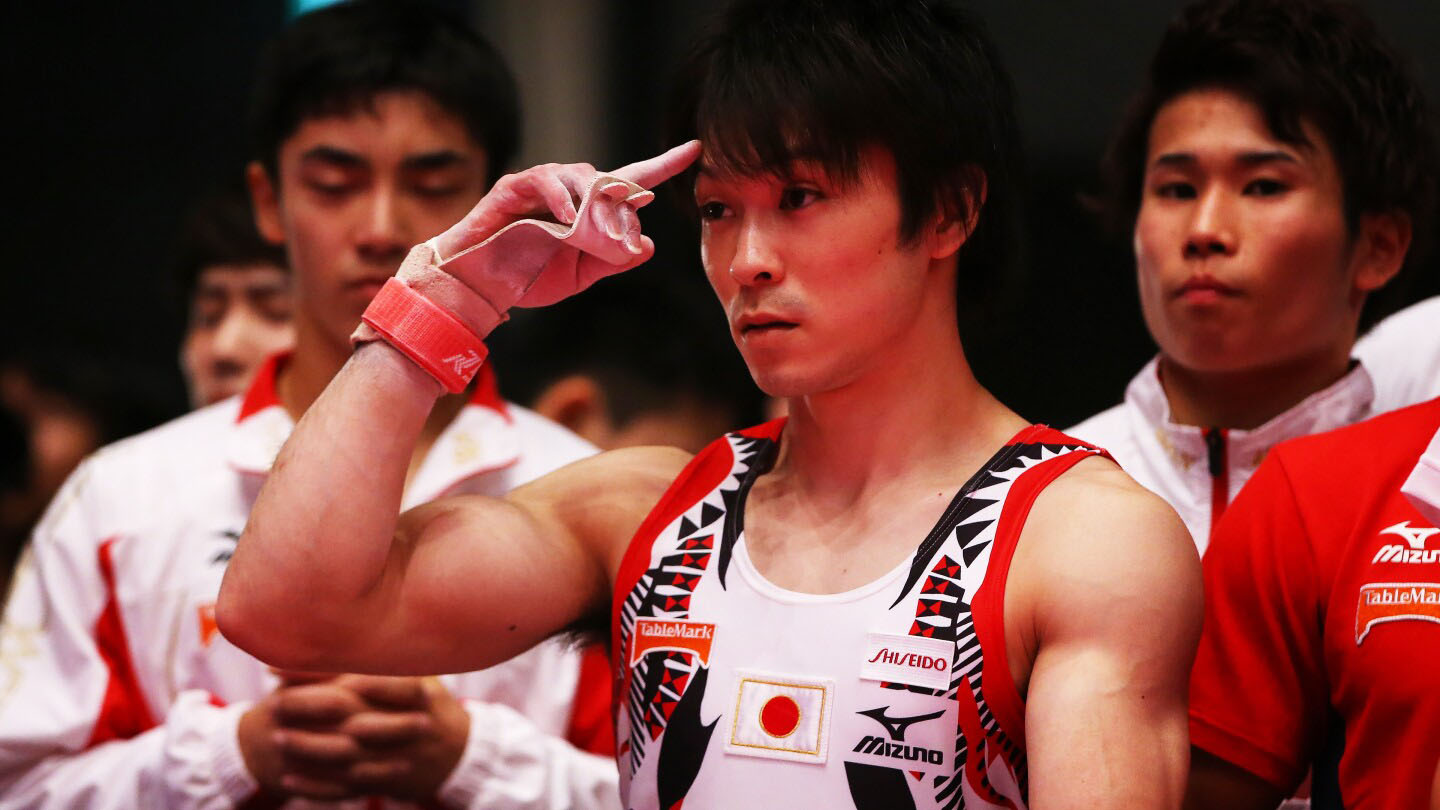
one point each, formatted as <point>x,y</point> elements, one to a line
<point>330,737</point>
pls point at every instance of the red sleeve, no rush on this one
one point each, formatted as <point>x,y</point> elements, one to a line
<point>592,725</point>
<point>1257,692</point>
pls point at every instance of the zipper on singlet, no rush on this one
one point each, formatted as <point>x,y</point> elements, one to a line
<point>1217,452</point>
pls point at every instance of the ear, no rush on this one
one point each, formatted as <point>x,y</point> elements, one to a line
<point>265,202</point>
<point>951,229</point>
<point>578,403</point>
<point>1381,242</point>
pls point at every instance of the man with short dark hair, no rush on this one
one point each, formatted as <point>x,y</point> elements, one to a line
<point>236,291</point>
<point>377,124</point>
<point>903,596</point>
<point>1273,173</point>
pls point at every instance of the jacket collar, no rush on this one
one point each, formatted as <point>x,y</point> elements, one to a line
<point>481,438</point>
<point>1344,402</point>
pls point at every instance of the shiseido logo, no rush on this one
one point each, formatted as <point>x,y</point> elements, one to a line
<point>905,658</point>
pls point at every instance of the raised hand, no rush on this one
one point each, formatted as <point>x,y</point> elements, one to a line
<point>551,231</point>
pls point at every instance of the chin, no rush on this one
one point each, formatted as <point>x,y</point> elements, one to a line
<point>783,382</point>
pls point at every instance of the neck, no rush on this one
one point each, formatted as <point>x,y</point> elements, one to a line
<point>903,421</point>
<point>1248,398</point>
<point>317,359</point>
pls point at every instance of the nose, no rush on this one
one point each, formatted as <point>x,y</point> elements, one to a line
<point>233,339</point>
<point>1211,233</point>
<point>382,236</point>
<point>756,260</point>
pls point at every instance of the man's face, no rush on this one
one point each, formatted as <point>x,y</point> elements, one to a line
<point>817,288</point>
<point>1241,244</point>
<point>240,314</point>
<point>354,193</point>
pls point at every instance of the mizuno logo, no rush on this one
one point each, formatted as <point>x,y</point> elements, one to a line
<point>896,726</point>
<point>1413,551</point>
<point>464,363</point>
<point>1416,537</point>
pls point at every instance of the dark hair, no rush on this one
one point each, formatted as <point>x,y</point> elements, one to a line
<point>1317,61</point>
<point>820,80</point>
<point>336,60</point>
<point>219,230</point>
<point>648,343</point>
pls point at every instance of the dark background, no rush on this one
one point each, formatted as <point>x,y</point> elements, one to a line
<point>123,114</point>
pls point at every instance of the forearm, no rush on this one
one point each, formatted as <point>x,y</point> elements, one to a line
<point>321,531</point>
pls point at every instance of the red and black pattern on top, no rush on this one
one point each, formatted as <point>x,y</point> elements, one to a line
<point>944,579</point>
<point>665,688</point>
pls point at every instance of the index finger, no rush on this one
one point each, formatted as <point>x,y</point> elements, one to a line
<point>653,171</point>
<point>399,692</point>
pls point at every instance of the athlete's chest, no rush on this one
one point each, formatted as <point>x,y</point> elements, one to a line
<point>891,693</point>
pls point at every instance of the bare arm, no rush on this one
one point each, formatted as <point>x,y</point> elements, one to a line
<point>1110,597</point>
<point>326,577</point>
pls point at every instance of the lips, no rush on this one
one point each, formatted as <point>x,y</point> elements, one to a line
<point>1206,288</point>
<point>763,323</point>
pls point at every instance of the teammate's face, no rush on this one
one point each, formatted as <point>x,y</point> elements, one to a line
<point>240,315</point>
<point>813,278</point>
<point>355,192</point>
<point>1244,257</point>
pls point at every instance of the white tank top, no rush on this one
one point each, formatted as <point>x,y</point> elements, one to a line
<point>733,692</point>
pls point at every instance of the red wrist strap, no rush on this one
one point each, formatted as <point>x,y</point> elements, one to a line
<point>424,332</point>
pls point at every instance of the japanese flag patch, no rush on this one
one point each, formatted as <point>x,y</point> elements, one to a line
<point>781,717</point>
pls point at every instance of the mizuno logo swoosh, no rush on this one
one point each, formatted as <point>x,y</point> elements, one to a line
<point>897,726</point>
<point>1415,536</point>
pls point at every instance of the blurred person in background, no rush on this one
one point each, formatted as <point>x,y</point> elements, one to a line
<point>376,125</point>
<point>638,360</point>
<point>69,403</point>
<point>1403,352</point>
<point>236,290</point>
<point>1276,173</point>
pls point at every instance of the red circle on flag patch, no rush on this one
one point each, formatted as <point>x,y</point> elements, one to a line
<point>780,716</point>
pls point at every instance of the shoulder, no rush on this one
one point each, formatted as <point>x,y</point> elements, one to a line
<point>196,438</point>
<point>149,464</point>
<point>1359,452</point>
<point>602,500</point>
<point>1402,355</point>
<point>1097,503</point>
<point>1416,321</point>
<point>151,479</point>
<point>1096,540</point>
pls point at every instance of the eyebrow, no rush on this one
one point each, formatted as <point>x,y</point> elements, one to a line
<point>425,161</point>
<point>428,161</point>
<point>1258,158</point>
<point>332,155</point>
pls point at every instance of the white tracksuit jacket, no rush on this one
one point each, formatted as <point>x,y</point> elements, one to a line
<point>117,692</point>
<point>1199,471</point>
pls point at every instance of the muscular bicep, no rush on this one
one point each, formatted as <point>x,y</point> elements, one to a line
<point>475,580</point>
<point>1113,595</point>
